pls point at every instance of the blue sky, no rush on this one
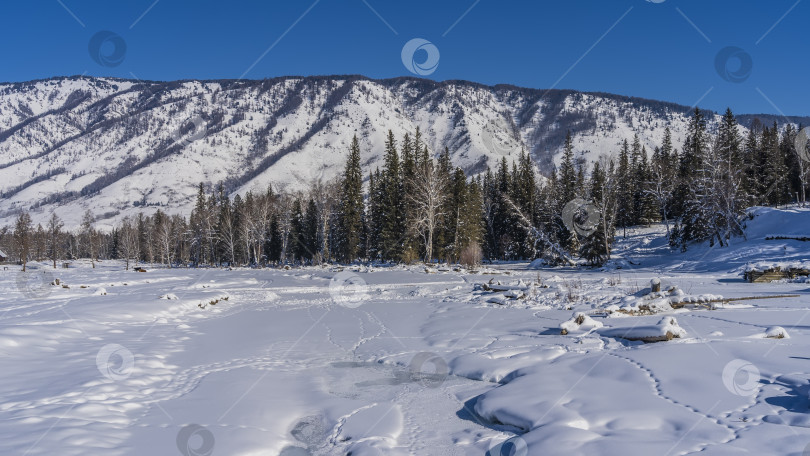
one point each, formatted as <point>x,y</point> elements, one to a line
<point>667,50</point>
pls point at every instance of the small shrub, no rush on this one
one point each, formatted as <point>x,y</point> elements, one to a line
<point>410,255</point>
<point>471,256</point>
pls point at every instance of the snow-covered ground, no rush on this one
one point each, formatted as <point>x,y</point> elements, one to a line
<point>394,360</point>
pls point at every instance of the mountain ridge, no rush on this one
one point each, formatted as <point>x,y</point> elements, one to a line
<point>116,146</point>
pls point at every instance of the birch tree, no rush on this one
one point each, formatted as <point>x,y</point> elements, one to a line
<point>429,190</point>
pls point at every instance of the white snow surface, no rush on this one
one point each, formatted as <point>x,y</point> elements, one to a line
<point>421,364</point>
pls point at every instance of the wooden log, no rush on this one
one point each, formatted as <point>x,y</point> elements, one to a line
<point>651,339</point>
<point>784,238</point>
<point>771,275</point>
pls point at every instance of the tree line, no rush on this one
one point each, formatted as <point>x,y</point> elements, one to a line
<point>420,207</point>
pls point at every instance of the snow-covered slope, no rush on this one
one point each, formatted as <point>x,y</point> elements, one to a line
<point>120,146</point>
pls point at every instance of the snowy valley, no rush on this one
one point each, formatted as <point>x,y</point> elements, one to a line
<point>401,360</point>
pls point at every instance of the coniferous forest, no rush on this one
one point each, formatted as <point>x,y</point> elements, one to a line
<point>420,207</point>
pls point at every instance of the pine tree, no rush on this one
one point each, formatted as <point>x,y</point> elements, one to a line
<point>351,206</point>
<point>773,167</point>
<point>626,213</point>
<point>408,169</point>
<point>274,241</point>
<point>568,175</point>
<point>637,175</point>
<point>726,199</point>
<point>694,185</point>
<point>661,183</point>
<point>648,212</point>
<point>489,194</point>
<point>751,183</point>
<point>454,206</point>
<point>504,228</point>
<point>198,223</point>
<point>795,164</point>
<point>595,247</point>
<point>297,246</point>
<point>393,217</point>
<point>446,233</point>
<point>375,216</point>
<point>310,249</point>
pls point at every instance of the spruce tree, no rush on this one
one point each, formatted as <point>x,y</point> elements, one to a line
<point>408,169</point>
<point>727,199</point>
<point>595,247</point>
<point>375,217</point>
<point>647,211</point>
<point>773,167</point>
<point>275,242</point>
<point>198,227</point>
<point>626,212</point>
<point>471,216</point>
<point>238,220</point>
<point>297,247</point>
<point>694,185</point>
<point>310,249</point>
<point>751,182</point>
<point>567,180</point>
<point>489,192</point>
<point>351,206</point>
<point>452,220</point>
<point>446,233</point>
<point>393,217</point>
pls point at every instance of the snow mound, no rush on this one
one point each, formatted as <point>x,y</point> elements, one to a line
<point>539,263</point>
<point>776,332</point>
<point>579,322</point>
<point>168,296</point>
<point>786,222</point>
<point>100,291</point>
<point>666,329</point>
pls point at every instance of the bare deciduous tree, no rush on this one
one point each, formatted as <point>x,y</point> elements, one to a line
<point>22,237</point>
<point>128,240</point>
<point>89,236</point>
<point>429,192</point>
<point>54,237</point>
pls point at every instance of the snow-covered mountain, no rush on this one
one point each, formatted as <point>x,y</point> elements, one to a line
<point>118,146</point>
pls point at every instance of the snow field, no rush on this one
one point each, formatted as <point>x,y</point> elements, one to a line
<point>392,360</point>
